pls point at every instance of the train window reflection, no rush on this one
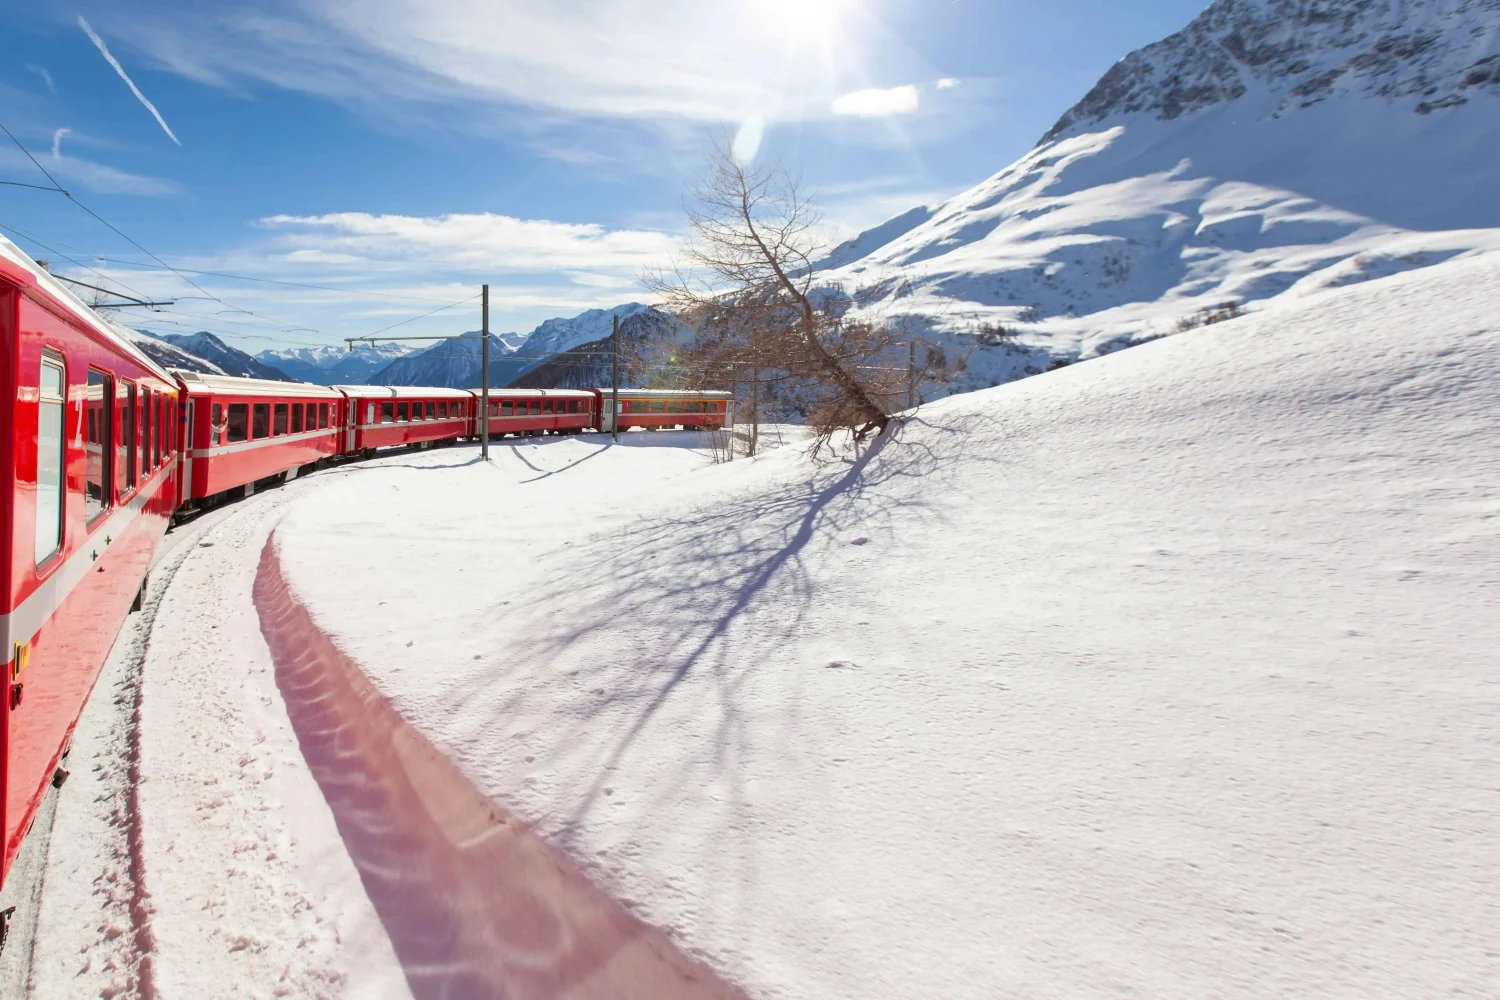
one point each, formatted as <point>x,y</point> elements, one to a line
<point>99,434</point>
<point>50,441</point>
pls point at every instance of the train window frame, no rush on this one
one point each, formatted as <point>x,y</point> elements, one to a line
<point>229,422</point>
<point>124,442</point>
<point>143,429</point>
<point>656,406</point>
<point>536,406</point>
<point>260,421</point>
<point>296,426</point>
<point>674,406</point>
<point>403,411</point>
<point>104,407</point>
<point>217,422</point>
<point>507,408</point>
<point>547,407</point>
<point>56,405</point>
<point>387,412</point>
<point>432,409</point>
<point>322,416</point>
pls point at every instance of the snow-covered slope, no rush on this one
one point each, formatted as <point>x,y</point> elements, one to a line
<point>230,360</point>
<point>1167,674</point>
<point>451,363</point>
<point>1270,148</point>
<point>555,335</point>
<point>170,355</point>
<point>334,365</point>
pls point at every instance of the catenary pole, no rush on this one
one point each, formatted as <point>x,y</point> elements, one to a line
<point>614,383</point>
<point>484,375</point>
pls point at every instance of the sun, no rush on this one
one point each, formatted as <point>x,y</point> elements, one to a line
<point>803,17</point>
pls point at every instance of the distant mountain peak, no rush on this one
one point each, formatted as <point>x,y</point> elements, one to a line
<point>1300,53</point>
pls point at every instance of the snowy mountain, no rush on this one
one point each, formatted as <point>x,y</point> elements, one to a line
<point>229,360</point>
<point>451,363</point>
<point>1270,148</point>
<point>455,363</point>
<point>334,365</point>
<point>588,365</point>
<point>169,355</point>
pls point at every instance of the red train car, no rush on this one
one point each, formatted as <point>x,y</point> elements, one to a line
<point>381,416</point>
<point>89,458</point>
<point>241,430</point>
<point>656,409</point>
<point>541,411</point>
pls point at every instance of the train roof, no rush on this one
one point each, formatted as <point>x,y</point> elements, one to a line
<point>233,385</point>
<point>669,393</point>
<point>402,392</point>
<point>13,259</point>
<point>538,393</point>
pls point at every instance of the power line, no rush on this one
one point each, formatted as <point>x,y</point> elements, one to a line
<point>215,274</point>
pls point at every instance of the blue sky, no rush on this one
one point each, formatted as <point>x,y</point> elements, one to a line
<point>404,151</point>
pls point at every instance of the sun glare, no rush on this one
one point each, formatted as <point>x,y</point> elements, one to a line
<point>806,17</point>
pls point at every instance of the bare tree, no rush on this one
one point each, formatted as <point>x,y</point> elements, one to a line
<point>748,283</point>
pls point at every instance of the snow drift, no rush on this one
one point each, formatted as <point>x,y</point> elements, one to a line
<point>1170,673</point>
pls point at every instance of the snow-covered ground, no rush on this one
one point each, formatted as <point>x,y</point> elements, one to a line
<point>1168,674</point>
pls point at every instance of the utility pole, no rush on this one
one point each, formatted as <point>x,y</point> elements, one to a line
<point>911,374</point>
<point>755,412</point>
<point>614,383</point>
<point>484,375</point>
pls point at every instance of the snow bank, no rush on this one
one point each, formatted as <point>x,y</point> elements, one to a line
<point>1168,674</point>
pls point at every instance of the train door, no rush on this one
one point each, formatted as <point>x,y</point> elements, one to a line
<point>186,451</point>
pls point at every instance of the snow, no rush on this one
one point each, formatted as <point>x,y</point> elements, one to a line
<point>1166,674</point>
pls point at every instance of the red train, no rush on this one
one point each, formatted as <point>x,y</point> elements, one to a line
<point>104,446</point>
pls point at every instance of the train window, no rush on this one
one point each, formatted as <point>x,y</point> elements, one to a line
<point>431,409</point>
<point>216,424</point>
<point>239,422</point>
<point>322,415</point>
<point>125,436</point>
<point>387,412</point>
<point>296,418</point>
<point>674,406</point>
<point>260,420</point>
<point>496,409</point>
<point>572,406</point>
<point>157,447</point>
<point>507,408</point>
<point>546,406</point>
<point>693,406</point>
<point>443,409</point>
<point>658,406</point>
<point>145,428</point>
<point>536,406</point>
<point>100,434</point>
<point>401,411</point>
<point>50,442</point>
<point>278,420</point>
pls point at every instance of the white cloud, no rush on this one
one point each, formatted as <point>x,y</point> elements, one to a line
<point>696,60</point>
<point>747,140</point>
<point>948,82</point>
<point>477,242</point>
<point>96,177</point>
<point>57,138</point>
<point>878,103</point>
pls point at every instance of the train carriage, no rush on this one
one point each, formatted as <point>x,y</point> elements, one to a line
<point>384,416</point>
<point>241,430</point>
<point>541,411</point>
<point>89,458</point>
<point>658,409</point>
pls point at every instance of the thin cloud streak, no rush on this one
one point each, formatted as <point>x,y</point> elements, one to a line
<point>104,51</point>
<point>57,138</point>
<point>41,71</point>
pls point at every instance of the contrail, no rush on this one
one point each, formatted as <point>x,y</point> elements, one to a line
<point>57,142</point>
<point>104,51</point>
